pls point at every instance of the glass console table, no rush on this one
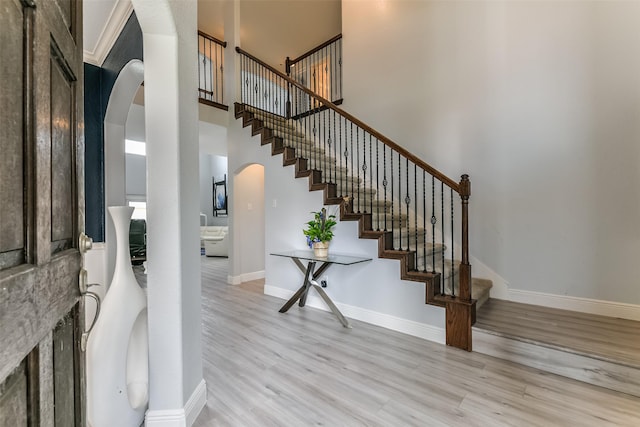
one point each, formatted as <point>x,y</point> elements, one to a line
<point>311,274</point>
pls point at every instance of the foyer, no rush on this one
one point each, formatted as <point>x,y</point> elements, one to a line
<point>303,368</point>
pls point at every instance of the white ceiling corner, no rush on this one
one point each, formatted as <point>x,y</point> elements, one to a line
<point>103,22</point>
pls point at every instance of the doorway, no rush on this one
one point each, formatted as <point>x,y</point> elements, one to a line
<point>249,220</point>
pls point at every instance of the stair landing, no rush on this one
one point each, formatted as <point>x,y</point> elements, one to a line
<point>599,350</point>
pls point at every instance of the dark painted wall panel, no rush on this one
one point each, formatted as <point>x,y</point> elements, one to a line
<point>98,86</point>
<point>93,153</point>
<point>127,47</point>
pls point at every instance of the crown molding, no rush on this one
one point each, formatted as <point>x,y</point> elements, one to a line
<point>118,18</point>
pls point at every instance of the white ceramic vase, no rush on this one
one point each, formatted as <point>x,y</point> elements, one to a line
<point>118,347</point>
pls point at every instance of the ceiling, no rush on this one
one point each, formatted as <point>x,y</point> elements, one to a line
<point>272,29</point>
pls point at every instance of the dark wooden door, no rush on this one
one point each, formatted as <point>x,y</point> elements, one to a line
<point>41,213</point>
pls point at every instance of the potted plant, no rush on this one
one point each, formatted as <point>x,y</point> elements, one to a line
<point>319,232</point>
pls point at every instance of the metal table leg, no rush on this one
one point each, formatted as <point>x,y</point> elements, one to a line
<point>331,305</point>
<point>310,276</point>
<point>301,293</point>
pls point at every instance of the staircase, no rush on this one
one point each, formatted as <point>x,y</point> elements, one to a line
<point>406,205</point>
<point>288,138</point>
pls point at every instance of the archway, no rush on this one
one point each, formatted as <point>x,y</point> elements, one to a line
<point>124,90</point>
<point>248,211</point>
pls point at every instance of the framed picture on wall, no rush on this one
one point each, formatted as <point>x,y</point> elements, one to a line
<point>220,197</point>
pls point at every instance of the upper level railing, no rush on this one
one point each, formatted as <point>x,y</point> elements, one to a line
<point>320,70</point>
<point>403,194</point>
<point>211,70</point>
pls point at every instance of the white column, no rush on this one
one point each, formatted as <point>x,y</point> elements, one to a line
<point>169,30</point>
<point>232,94</point>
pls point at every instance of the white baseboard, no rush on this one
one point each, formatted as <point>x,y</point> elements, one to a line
<point>245,277</point>
<point>583,305</point>
<point>183,417</point>
<point>409,327</point>
<point>165,418</point>
<point>196,402</point>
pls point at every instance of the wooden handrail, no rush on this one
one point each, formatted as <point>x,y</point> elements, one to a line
<point>213,39</point>
<point>315,49</point>
<point>417,161</point>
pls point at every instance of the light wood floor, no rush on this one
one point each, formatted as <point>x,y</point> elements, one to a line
<point>603,337</point>
<point>303,368</point>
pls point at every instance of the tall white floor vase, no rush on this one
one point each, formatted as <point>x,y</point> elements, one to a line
<point>118,347</point>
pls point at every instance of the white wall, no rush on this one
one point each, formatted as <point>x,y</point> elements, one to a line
<point>206,205</point>
<point>136,170</point>
<point>249,211</point>
<point>135,165</point>
<point>538,102</point>
<point>134,128</point>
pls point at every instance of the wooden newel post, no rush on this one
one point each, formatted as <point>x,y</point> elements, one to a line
<point>461,311</point>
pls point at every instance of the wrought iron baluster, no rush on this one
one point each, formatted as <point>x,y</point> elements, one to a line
<point>262,91</point>
<point>364,171</point>
<point>399,202</point>
<point>407,201</point>
<point>272,104</point>
<point>424,217</point>
<point>309,128</point>
<point>433,224</point>
<point>316,136</point>
<point>453,256</point>
<point>371,174</point>
<point>392,198</point>
<point>343,168</point>
<point>442,226</point>
<point>255,83</point>
<point>333,71</point>
<point>211,70</point>
<point>415,210</point>
<point>335,166</point>
<point>377,184</point>
<point>218,69</point>
<point>200,50</point>
<point>324,142</point>
<point>352,156</point>
<point>385,183</point>
<point>208,74</point>
<point>340,63</point>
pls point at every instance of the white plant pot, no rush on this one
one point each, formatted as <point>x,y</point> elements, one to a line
<point>321,249</point>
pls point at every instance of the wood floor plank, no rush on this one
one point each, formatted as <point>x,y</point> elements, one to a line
<point>608,338</point>
<point>302,368</point>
